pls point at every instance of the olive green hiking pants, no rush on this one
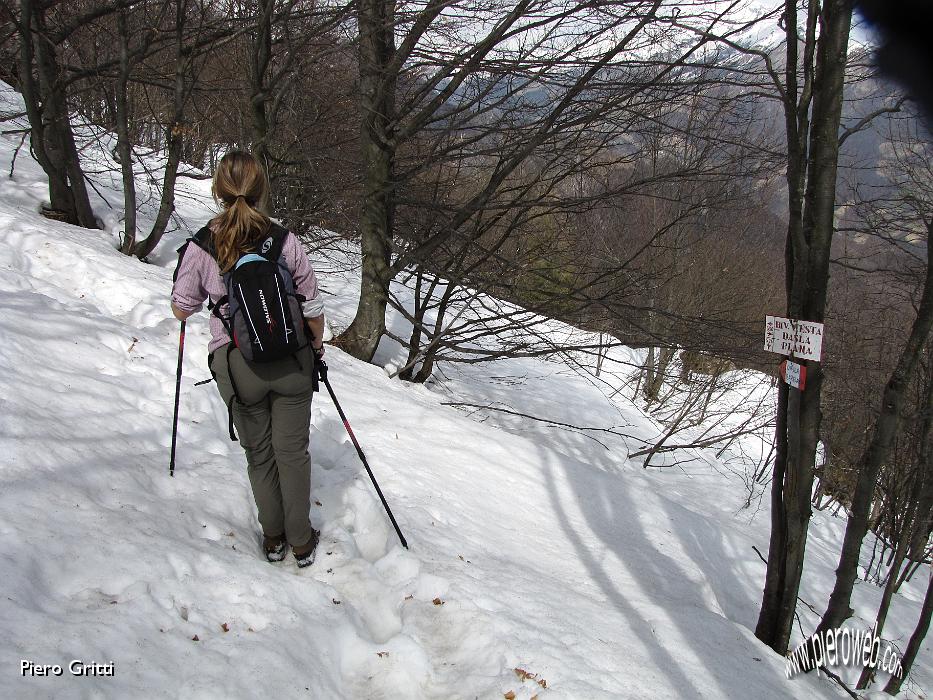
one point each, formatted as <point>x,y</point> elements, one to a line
<point>272,415</point>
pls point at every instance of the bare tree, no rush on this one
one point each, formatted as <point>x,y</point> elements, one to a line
<point>908,208</point>
<point>43,26</point>
<point>510,93</point>
<point>912,524</point>
<point>289,38</point>
<point>184,55</point>
<point>812,109</point>
<point>916,639</point>
<point>133,47</point>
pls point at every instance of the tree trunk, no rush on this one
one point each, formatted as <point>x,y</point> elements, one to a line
<point>258,66</point>
<point>377,97</point>
<point>810,231</point>
<point>875,456</point>
<point>424,372</point>
<point>430,351</point>
<point>768,626</point>
<point>657,372</point>
<point>899,551</point>
<point>46,107</point>
<point>174,134</point>
<point>923,526</point>
<point>602,352</point>
<point>124,147</point>
<point>916,639</point>
<point>414,341</point>
<point>922,498</point>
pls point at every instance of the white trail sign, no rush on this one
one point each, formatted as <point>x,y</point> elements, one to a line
<point>799,339</point>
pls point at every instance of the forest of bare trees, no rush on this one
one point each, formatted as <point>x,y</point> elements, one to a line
<point>660,174</point>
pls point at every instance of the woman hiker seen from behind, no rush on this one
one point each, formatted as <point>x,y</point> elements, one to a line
<point>245,264</point>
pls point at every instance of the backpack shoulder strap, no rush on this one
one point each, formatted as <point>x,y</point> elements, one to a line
<point>280,233</point>
<point>181,256</point>
<point>271,246</point>
<point>202,239</point>
<point>205,241</point>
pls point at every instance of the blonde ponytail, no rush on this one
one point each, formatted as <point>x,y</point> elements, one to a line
<point>240,186</point>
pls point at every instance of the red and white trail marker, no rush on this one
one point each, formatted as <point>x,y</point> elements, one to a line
<point>795,375</point>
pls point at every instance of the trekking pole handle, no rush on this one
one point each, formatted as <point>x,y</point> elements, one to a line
<point>319,365</point>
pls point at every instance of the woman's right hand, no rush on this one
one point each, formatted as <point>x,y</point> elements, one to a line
<point>179,314</point>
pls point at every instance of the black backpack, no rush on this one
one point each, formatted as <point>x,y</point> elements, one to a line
<point>263,314</point>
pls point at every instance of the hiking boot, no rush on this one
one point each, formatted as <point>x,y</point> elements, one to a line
<point>304,555</point>
<point>275,547</point>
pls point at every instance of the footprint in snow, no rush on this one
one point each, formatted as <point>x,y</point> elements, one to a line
<point>365,519</point>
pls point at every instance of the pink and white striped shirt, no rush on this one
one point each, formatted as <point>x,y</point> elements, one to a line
<point>199,278</point>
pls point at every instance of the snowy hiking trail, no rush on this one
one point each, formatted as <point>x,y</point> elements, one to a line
<point>141,563</point>
<point>178,555</point>
<point>546,550</point>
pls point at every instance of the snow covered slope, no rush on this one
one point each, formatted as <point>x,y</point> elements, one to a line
<point>531,548</point>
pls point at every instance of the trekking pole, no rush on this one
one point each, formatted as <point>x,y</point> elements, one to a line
<point>181,355</point>
<point>322,373</point>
